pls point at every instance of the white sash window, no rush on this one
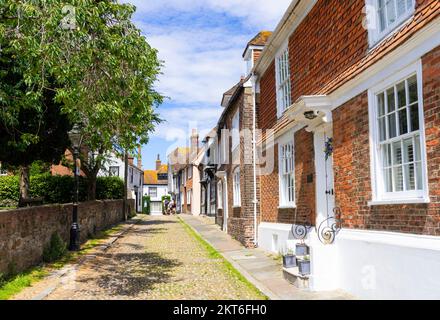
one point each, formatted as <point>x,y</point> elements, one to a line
<point>399,144</point>
<point>282,69</point>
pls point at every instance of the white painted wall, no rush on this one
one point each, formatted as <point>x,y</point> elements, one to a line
<point>367,264</point>
<point>196,192</point>
<point>162,190</point>
<point>135,185</point>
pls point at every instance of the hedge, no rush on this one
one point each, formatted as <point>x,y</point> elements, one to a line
<point>58,189</point>
<point>146,205</point>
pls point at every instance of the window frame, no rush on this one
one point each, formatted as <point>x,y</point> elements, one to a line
<point>220,195</point>
<point>287,138</point>
<point>188,197</point>
<point>149,192</point>
<point>283,102</point>
<point>235,130</point>
<point>375,36</point>
<point>236,190</point>
<point>379,196</point>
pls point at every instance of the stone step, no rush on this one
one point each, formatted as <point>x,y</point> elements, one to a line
<point>294,277</point>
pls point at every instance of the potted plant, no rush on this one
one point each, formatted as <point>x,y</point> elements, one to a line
<point>289,259</point>
<point>301,249</point>
<point>304,266</point>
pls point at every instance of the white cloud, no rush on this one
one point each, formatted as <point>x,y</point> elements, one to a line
<point>197,74</point>
<point>260,13</point>
<point>201,43</point>
<point>179,122</point>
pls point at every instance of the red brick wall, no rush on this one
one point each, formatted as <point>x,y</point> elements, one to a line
<point>241,219</point>
<point>267,108</point>
<point>352,164</point>
<point>329,40</point>
<point>305,191</point>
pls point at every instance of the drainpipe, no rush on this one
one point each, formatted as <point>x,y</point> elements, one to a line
<point>254,152</point>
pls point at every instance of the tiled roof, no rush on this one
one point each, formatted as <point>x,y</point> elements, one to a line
<point>175,157</point>
<point>422,17</point>
<point>259,40</point>
<point>150,177</point>
<point>163,169</point>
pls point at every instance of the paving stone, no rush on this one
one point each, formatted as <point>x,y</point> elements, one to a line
<point>156,259</point>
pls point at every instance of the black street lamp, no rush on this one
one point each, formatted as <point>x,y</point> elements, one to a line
<point>75,138</point>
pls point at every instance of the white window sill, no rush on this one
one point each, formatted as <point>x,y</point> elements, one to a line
<point>236,206</point>
<point>398,201</point>
<point>290,206</point>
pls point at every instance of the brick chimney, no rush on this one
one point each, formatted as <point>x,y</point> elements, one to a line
<point>194,147</point>
<point>139,158</point>
<point>158,163</point>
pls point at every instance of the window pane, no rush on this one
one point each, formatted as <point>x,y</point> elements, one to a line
<point>410,183</point>
<point>382,129</point>
<point>419,176</point>
<point>417,148</point>
<point>391,100</point>
<point>408,150</point>
<point>398,179</point>
<point>397,153</point>
<point>392,131</point>
<point>401,7</point>
<point>388,182</point>
<point>381,104</point>
<point>403,122</point>
<point>391,12</point>
<point>386,155</point>
<point>409,4</point>
<point>412,87</point>
<point>414,114</point>
<point>382,19</point>
<point>401,94</point>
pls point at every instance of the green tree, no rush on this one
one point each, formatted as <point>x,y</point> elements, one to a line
<point>104,71</point>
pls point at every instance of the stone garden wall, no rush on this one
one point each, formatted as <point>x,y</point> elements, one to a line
<point>25,232</point>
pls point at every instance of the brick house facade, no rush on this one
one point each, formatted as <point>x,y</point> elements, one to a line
<point>240,215</point>
<point>237,183</point>
<point>346,114</point>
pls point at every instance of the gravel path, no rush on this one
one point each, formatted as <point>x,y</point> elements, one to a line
<point>156,259</point>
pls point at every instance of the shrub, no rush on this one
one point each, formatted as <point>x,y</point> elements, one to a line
<point>55,250</point>
<point>9,191</point>
<point>58,189</point>
<point>109,188</point>
<point>146,204</point>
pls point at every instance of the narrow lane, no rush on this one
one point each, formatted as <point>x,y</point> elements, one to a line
<point>157,259</point>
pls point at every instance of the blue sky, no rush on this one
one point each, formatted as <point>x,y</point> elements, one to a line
<point>201,43</point>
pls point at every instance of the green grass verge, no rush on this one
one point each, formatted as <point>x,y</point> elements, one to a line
<point>15,284</point>
<point>214,254</point>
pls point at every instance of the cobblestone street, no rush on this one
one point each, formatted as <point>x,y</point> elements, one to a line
<point>156,259</point>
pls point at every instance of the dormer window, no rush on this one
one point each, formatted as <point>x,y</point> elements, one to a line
<point>384,16</point>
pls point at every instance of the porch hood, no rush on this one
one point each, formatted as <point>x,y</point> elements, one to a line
<point>312,111</point>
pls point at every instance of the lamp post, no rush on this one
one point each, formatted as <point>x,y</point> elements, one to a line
<point>75,138</point>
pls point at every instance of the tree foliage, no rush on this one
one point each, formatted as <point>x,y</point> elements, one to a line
<point>93,60</point>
